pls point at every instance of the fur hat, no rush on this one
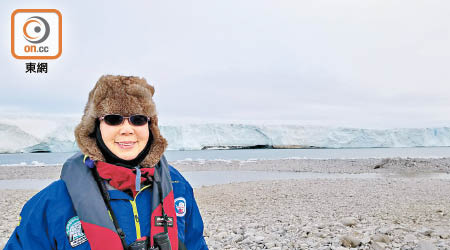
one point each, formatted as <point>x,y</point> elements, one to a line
<point>125,95</point>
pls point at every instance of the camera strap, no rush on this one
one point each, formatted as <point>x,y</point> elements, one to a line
<point>106,198</point>
<point>164,215</point>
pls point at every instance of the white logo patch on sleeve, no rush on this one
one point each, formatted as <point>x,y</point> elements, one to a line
<point>180,206</point>
<point>74,232</point>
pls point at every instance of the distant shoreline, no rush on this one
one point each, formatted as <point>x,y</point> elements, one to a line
<point>342,166</point>
<point>242,147</point>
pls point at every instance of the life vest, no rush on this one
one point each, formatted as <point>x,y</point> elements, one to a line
<point>93,213</point>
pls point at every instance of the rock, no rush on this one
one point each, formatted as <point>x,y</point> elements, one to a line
<point>382,163</point>
<point>304,246</point>
<point>246,241</point>
<point>426,231</point>
<point>365,240</point>
<point>378,246</point>
<point>410,238</point>
<point>212,244</point>
<point>221,235</point>
<point>258,239</point>
<point>270,245</point>
<point>250,232</point>
<point>349,221</point>
<point>380,238</point>
<point>237,238</point>
<point>426,245</point>
<point>350,241</point>
<point>442,234</point>
<point>397,245</point>
<point>385,230</point>
<point>320,235</point>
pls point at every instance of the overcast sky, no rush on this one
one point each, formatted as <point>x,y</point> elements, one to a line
<point>352,63</point>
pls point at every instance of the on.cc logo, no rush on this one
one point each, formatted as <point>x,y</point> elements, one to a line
<point>36,29</point>
<point>36,34</point>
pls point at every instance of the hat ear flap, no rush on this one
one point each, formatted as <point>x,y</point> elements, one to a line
<point>152,90</point>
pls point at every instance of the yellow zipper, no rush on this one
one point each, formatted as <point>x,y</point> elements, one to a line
<point>136,215</point>
<point>84,158</point>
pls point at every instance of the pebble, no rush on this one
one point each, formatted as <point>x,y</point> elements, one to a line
<point>385,230</point>
<point>350,241</point>
<point>378,245</point>
<point>410,238</point>
<point>426,245</point>
<point>349,221</point>
<point>380,238</point>
<point>441,234</point>
<point>426,231</point>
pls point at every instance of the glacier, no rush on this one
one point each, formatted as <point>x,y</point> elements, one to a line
<point>55,134</point>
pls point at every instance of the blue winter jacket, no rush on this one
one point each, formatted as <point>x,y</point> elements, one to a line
<point>48,220</point>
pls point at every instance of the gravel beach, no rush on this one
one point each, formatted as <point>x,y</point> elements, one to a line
<point>407,207</point>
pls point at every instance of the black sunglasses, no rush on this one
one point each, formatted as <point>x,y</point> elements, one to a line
<point>114,119</point>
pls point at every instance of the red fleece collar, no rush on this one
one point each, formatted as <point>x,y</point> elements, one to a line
<point>122,178</point>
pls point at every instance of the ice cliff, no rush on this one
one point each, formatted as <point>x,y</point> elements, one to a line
<point>56,135</point>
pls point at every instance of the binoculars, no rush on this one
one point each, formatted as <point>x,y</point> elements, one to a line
<point>161,241</point>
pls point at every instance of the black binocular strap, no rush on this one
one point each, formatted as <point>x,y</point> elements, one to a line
<point>106,199</point>
<point>158,183</point>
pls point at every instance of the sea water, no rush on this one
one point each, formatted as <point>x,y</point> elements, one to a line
<point>247,154</point>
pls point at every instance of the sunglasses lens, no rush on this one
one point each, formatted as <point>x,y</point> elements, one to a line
<point>113,120</point>
<point>138,120</point>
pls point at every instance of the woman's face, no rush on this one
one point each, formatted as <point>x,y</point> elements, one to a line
<point>126,141</point>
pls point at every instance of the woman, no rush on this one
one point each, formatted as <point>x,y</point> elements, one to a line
<point>119,192</point>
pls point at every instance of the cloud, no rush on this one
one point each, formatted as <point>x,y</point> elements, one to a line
<point>371,63</point>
